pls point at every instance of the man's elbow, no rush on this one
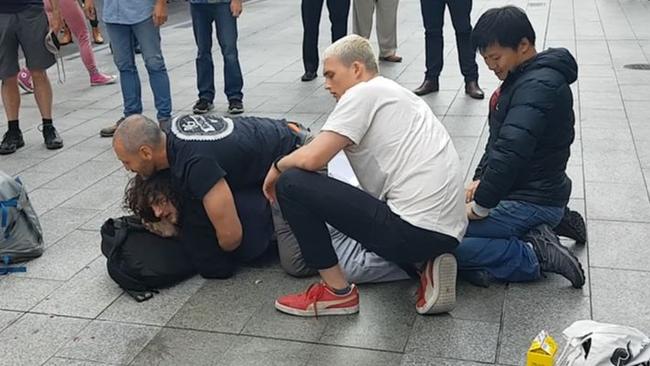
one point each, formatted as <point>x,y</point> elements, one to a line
<point>230,242</point>
<point>310,163</point>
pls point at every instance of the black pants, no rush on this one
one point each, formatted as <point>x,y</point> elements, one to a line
<point>308,200</point>
<point>311,12</point>
<point>433,14</point>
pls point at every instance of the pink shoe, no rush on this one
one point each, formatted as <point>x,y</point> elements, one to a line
<point>102,79</point>
<point>25,80</point>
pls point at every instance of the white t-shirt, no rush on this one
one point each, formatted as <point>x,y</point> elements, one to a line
<point>402,154</point>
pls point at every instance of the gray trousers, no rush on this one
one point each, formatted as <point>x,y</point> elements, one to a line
<point>359,264</point>
<point>386,22</point>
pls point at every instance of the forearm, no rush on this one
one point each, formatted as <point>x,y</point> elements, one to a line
<point>55,6</point>
<point>300,159</point>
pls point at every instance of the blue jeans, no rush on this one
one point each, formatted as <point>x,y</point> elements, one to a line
<point>203,15</point>
<point>148,36</point>
<point>495,243</point>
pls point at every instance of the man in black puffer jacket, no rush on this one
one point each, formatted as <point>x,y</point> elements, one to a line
<point>520,189</point>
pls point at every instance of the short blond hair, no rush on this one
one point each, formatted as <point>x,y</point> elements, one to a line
<point>353,48</point>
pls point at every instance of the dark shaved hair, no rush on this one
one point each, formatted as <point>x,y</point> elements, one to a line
<point>137,130</point>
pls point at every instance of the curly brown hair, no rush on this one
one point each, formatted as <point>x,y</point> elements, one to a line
<point>141,193</point>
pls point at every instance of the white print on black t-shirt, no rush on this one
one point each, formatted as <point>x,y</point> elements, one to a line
<point>202,128</point>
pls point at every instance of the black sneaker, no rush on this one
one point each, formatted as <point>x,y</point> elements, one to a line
<point>202,106</point>
<point>572,226</point>
<point>51,137</point>
<point>308,76</point>
<point>477,278</point>
<point>554,257</point>
<point>12,141</point>
<point>235,106</point>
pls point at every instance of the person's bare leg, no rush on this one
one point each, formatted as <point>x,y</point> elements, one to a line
<point>334,277</point>
<point>11,97</point>
<point>42,92</point>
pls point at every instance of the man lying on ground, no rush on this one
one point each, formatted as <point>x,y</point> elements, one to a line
<point>520,189</point>
<point>218,164</point>
<point>410,210</point>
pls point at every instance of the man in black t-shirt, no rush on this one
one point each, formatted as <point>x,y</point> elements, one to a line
<point>23,24</point>
<point>217,163</point>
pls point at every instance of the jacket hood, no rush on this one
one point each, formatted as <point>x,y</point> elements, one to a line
<point>559,59</point>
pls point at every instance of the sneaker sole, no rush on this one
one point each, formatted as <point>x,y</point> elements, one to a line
<point>106,83</point>
<point>103,134</point>
<point>445,269</point>
<point>311,313</point>
<point>236,111</point>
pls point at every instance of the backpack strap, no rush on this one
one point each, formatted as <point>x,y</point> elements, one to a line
<point>5,269</point>
<point>4,212</point>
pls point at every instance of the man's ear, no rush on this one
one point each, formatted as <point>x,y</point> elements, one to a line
<point>357,68</point>
<point>145,152</point>
<point>524,46</point>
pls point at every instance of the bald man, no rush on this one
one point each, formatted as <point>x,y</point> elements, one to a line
<point>219,163</point>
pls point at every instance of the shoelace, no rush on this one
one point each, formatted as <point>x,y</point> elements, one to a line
<point>313,293</point>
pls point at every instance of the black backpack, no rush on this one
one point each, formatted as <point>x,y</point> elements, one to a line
<point>141,262</point>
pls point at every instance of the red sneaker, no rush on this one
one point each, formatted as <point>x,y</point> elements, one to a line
<point>437,291</point>
<point>319,299</point>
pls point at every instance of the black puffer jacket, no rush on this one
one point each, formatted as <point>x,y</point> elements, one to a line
<point>531,130</point>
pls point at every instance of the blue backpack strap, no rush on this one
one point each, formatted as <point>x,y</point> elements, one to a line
<point>6,269</point>
<point>4,210</point>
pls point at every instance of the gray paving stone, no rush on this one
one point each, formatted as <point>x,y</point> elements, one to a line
<point>34,338</point>
<point>636,92</point>
<point>237,299</point>
<point>85,295</point>
<point>464,125</point>
<point>60,222</point>
<point>44,200</point>
<point>443,336</point>
<point>156,311</point>
<point>185,347</point>
<point>621,297</point>
<point>100,195</point>
<point>268,322</point>
<point>84,175</point>
<point>526,313</point>
<point>62,260</point>
<point>249,351</point>
<point>329,355</point>
<point>7,318</point>
<point>60,361</point>
<point>410,359</point>
<point>109,342</point>
<point>386,315</point>
<point>476,303</point>
<point>96,222</point>
<point>25,292</point>
<point>622,202</point>
<point>616,245</point>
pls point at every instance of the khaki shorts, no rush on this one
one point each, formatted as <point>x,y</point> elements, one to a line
<point>26,29</point>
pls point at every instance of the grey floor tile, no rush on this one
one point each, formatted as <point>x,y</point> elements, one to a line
<point>620,297</point>
<point>34,338</point>
<point>44,200</point>
<point>96,222</point>
<point>60,222</point>
<point>464,125</point>
<point>109,342</point>
<point>248,351</point>
<point>616,245</point>
<point>268,322</point>
<point>25,292</point>
<point>528,312</point>
<point>477,303</point>
<point>238,299</point>
<point>85,295</point>
<point>446,337</point>
<point>621,202</point>
<point>60,361</point>
<point>332,355</point>
<point>185,347</point>
<point>100,195</point>
<point>410,359</point>
<point>8,317</point>
<point>156,311</point>
<point>67,257</point>
<point>386,315</point>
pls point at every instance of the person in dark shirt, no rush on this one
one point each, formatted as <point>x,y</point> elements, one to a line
<point>520,189</point>
<point>218,164</point>
<point>169,213</point>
